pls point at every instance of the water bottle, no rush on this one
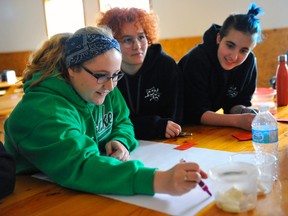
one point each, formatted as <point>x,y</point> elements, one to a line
<point>265,134</point>
<point>282,81</point>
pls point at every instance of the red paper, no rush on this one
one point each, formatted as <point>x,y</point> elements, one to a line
<point>243,136</point>
<point>186,145</point>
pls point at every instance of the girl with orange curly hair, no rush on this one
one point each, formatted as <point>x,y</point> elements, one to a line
<point>151,86</point>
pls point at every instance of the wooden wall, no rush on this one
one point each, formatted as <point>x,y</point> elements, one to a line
<point>14,61</point>
<point>274,44</point>
<point>177,47</point>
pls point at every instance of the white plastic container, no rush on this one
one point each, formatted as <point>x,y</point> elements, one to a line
<point>234,186</point>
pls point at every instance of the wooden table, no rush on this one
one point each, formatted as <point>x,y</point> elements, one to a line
<point>5,84</point>
<point>8,102</point>
<point>36,197</point>
<point>8,86</point>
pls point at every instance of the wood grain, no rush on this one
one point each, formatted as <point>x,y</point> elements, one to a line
<point>36,197</point>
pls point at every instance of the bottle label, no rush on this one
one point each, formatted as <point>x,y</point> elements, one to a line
<point>265,136</point>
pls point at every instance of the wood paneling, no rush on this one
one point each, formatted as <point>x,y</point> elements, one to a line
<point>177,47</point>
<point>275,43</point>
<point>14,61</point>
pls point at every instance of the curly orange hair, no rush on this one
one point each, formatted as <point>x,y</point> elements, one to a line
<point>116,17</point>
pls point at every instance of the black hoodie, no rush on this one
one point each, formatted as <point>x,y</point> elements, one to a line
<point>153,94</point>
<point>207,86</point>
<point>7,172</point>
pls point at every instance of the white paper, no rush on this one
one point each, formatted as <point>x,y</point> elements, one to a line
<point>164,156</point>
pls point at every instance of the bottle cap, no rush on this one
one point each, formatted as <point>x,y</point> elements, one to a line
<point>282,58</point>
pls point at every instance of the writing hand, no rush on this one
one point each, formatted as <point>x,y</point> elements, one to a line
<point>117,150</point>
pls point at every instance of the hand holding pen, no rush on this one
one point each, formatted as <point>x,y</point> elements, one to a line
<point>178,180</point>
<point>201,183</point>
<point>117,150</point>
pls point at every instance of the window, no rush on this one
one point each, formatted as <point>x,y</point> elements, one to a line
<point>68,15</point>
<point>63,16</point>
<point>107,4</point>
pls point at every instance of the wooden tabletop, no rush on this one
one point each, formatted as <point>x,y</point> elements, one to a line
<point>36,197</point>
<point>8,102</point>
<point>5,84</point>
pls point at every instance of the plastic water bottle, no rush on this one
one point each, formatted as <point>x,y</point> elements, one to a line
<point>265,134</point>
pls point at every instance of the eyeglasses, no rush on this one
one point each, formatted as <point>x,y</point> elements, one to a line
<point>101,78</point>
<point>128,41</point>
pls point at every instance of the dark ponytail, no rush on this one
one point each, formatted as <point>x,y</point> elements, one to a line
<point>254,10</point>
<point>246,23</point>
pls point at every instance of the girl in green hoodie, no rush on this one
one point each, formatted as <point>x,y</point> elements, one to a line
<point>73,123</point>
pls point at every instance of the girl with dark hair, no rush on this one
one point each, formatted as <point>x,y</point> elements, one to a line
<point>221,73</point>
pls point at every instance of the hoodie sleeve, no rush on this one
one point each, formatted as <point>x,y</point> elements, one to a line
<point>55,142</point>
<point>7,172</point>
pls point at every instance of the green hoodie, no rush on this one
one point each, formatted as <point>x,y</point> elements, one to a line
<point>53,130</point>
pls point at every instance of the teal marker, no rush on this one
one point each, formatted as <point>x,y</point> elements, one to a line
<point>253,111</point>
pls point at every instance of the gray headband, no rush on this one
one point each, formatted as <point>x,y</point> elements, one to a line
<point>83,47</point>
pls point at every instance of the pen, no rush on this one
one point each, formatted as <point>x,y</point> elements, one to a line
<point>112,153</point>
<point>183,134</point>
<point>253,111</point>
<point>204,187</point>
<point>201,183</point>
